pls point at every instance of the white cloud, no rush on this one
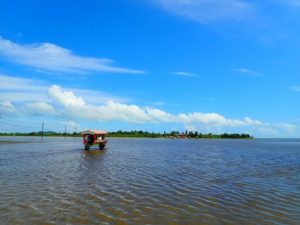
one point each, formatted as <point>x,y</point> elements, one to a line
<point>160,116</point>
<point>9,83</point>
<point>185,74</point>
<point>249,121</point>
<point>18,96</point>
<point>110,111</point>
<point>247,71</point>
<point>66,98</point>
<point>205,11</point>
<point>133,113</point>
<point>92,96</point>
<point>40,108</point>
<point>290,128</point>
<point>72,104</point>
<point>113,111</point>
<point>50,57</point>
<point>7,108</point>
<point>17,89</point>
<point>190,128</point>
<point>215,119</point>
<point>278,129</point>
<point>70,125</point>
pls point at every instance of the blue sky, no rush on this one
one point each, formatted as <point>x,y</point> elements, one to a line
<point>206,65</point>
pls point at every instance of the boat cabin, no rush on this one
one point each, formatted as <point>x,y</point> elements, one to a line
<point>94,138</point>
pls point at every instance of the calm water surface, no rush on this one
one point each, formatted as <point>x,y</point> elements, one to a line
<point>151,181</point>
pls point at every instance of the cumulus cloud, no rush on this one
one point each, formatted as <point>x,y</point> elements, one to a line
<point>51,57</point>
<point>205,11</point>
<point>114,111</point>
<point>72,104</point>
<point>77,107</point>
<point>160,116</point>
<point>107,112</point>
<point>66,98</point>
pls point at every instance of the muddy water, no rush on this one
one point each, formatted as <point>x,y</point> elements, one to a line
<point>150,181</point>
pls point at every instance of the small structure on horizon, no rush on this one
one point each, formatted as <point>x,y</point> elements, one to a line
<point>181,136</point>
<point>94,138</point>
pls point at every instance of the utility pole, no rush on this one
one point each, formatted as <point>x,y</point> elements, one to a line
<point>42,137</point>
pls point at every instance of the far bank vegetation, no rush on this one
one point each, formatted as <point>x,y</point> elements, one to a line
<point>140,134</point>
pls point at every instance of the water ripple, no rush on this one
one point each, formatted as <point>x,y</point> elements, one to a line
<point>151,181</point>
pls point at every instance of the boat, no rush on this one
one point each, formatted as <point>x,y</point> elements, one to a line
<point>94,138</point>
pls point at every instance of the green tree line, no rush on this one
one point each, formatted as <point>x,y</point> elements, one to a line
<point>138,134</point>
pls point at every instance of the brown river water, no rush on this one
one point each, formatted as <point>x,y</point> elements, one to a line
<point>150,181</point>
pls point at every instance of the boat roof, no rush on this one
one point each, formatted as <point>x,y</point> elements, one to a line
<point>101,132</point>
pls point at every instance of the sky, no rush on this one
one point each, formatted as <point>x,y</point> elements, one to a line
<point>207,65</point>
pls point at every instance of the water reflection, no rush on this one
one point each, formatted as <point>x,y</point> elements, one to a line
<point>93,152</point>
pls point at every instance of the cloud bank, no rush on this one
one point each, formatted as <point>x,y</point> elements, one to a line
<point>68,104</point>
<point>114,111</point>
<point>53,58</point>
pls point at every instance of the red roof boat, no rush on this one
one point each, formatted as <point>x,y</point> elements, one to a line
<point>94,138</point>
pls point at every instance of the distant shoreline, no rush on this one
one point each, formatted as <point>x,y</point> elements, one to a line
<point>14,142</point>
<point>139,134</point>
<point>6,142</point>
